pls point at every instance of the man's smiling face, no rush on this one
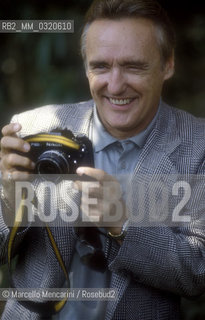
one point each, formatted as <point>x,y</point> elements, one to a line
<point>125,73</point>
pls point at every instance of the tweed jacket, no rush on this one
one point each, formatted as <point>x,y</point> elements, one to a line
<point>154,266</point>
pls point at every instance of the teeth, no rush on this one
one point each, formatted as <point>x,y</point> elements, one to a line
<point>120,101</point>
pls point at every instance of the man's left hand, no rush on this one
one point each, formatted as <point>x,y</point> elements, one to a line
<point>101,201</point>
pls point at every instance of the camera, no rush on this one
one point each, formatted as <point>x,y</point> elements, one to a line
<point>59,152</point>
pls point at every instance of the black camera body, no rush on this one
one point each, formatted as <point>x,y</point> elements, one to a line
<point>59,152</point>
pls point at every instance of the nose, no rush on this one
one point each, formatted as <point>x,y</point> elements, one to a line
<point>116,83</point>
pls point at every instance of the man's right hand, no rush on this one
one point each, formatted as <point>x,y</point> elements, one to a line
<point>12,165</point>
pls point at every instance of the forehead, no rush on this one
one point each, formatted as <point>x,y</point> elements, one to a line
<point>128,36</point>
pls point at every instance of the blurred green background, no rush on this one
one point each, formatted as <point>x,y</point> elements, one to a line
<point>39,69</point>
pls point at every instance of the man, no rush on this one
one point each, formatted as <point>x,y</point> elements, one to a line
<point>128,51</point>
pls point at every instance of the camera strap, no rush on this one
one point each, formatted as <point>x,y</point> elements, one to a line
<point>43,137</point>
<point>47,307</point>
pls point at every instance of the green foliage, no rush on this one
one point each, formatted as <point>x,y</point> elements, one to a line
<point>39,69</point>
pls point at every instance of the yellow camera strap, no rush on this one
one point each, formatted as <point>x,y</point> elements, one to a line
<point>47,307</point>
<point>44,137</point>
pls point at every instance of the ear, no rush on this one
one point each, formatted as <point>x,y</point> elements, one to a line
<point>169,67</point>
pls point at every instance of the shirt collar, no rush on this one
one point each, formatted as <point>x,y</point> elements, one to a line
<point>102,139</point>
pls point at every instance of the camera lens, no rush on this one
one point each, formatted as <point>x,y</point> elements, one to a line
<point>52,162</point>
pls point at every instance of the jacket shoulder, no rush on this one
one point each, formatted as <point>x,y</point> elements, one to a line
<point>186,125</point>
<point>49,117</point>
<point>190,132</point>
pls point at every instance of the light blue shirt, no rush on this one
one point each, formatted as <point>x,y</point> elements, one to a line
<point>118,158</point>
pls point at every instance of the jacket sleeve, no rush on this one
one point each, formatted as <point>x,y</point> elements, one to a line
<point>168,257</point>
<point>164,258</point>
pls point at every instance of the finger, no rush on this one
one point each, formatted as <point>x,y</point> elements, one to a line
<point>89,189</point>
<point>11,129</point>
<point>94,173</point>
<point>77,185</point>
<point>101,205</point>
<point>106,190</point>
<point>13,160</point>
<point>13,143</point>
<point>17,176</point>
<point>91,214</point>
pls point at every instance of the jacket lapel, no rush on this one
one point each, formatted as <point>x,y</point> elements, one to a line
<point>161,143</point>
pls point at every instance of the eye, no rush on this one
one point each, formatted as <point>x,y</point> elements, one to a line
<point>137,67</point>
<point>99,66</point>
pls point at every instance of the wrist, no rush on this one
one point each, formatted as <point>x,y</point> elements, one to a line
<point>119,233</point>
